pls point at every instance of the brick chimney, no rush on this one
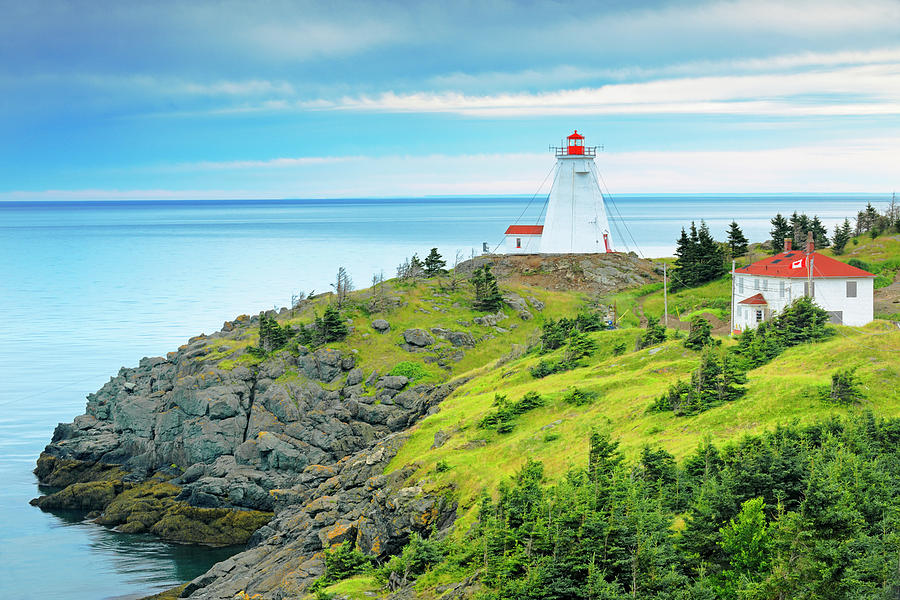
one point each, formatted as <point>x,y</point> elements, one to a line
<point>787,245</point>
<point>810,245</point>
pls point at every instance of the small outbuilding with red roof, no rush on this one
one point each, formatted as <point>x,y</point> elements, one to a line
<point>523,239</point>
<point>766,287</point>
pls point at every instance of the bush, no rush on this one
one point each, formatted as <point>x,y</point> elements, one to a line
<point>579,397</point>
<point>859,264</point>
<point>655,334</point>
<point>844,387</point>
<point>342,561</point>
<point>502,418</point>
<point>699,335</point>
<point>882,281</point>
<point>416,558</point>
<point>619,349</point>
<point>411,370</point>
<point>547,367</point>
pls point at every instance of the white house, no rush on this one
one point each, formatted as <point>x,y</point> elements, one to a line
<point>766,287</point>
<point>576,220</point>
<point>523,239</point>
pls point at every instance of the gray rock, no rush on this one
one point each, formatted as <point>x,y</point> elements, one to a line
<point>537,304</point>
<point>457,338</point>
<point>440,438</point>
<point>418,338</point>
<point>490,320</point>
<point>354,377</point>
<point>394,382</point>
<point>381,326</point>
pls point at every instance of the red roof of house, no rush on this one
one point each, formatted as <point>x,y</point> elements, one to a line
<point>793,263</point>
<point>755,299</point>
<point>525,229</point>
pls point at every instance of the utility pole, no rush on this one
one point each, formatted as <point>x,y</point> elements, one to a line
<point>665,296</point>
<point>732,298</point>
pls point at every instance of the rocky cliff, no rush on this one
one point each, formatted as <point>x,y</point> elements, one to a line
<point>289,451</point>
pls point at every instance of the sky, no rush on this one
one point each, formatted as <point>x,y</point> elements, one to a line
<point>293,99</point>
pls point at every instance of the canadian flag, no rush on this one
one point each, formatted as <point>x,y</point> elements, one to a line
<point>797,264</point>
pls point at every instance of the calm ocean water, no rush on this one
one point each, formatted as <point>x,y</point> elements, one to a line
<point>86,287</point>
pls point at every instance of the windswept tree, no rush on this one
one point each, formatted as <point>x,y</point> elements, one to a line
<point>342,286</point>
<point>434,264</point>
<point>737,243</point>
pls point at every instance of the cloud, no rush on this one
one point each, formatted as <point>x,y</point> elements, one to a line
<point>848,166</point>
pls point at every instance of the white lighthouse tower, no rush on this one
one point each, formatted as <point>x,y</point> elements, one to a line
<point>576,220</point>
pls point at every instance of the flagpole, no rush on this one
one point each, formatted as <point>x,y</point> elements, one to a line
<point>730,333</point>
<point>665,297</point>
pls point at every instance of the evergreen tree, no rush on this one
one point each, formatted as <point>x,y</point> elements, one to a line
<point>272,336</point>
<point>820,233</point>
<point>332,325</point>
<point>434,264</point>
<point>710,259</point>
<point>685,252</point>
<point>737,243</point>
<point>699,335</point>
<point>842,235</point>
<point>487,292</point>
<point>780,231</point>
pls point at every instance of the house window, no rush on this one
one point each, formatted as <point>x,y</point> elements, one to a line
<point>807,291</point>
<point>518,242</point>
<point>755,283</point>
<point>759,316</point>
<point>851,289</point>
<point>740,282</point>
<point>765,284</point>
<point>781,289</point>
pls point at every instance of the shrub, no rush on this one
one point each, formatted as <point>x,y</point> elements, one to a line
<point>844,387</point>
<point>442,466</point>
<point>342,561</point>
<point>859,264</point>
<point>579,397</point>
<point>411,370</point>
<point>882,281</point>
<point>619,349</point>
<point>502,418</point>
<point>546,367</point>
<point>417,556</point>
<point>655,334</point>
<point>699,335</point>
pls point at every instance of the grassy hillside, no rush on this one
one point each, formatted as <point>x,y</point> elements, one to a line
<point>475,459</point>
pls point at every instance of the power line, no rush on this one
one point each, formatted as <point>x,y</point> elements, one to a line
<point>527,206</point>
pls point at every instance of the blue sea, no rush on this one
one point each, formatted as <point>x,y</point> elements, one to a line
<point>86,287</point>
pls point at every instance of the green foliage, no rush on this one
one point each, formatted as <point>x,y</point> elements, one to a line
<point>330,327</point>
<point>780,231</point>
<point>859,264</point>
<point>579,397</point>
<point>619,349</point>
<point>842,235</point>
<point>342,561</point>
<point>555,333</point>
<point>699,335</point>
<point>699,258</point>
<point>655,334</point>
<point>882,281</point>
<point>715,381</point>
<point>547,367</point>
<point>415,559</point>
<point>272,336</point>
<point>411,370</point>
<point>487,292</point>
<point>845,387</point>
<point>434,264</point>
<point>737,243</point>
<point>502,418</point>
<point>798,512</point>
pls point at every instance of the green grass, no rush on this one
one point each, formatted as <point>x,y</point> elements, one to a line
<point>782,391</point>
<point>359,587</point>
<point>713,297</point>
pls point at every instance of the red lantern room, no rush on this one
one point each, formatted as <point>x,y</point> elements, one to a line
<point>576,143</point>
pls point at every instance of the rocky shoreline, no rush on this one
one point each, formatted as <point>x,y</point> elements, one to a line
<point>287,455</point>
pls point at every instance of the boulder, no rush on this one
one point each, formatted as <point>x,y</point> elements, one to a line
<point>418,338</point>
<point>457,338</point>
<point>381,326</point>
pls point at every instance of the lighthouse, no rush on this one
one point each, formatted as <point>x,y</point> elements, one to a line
<point>576,220</point>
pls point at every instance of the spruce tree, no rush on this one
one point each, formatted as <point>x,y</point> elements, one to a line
<point>434,264</point>
<point>736,240</point>
<point>710,263</point>
<point>684,274</point>
<point>781,230</point>
<point>820,233</point>
<point>842,234</point>
<point>333,326</point>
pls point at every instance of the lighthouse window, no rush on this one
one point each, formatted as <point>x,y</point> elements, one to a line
<point>518,242</point>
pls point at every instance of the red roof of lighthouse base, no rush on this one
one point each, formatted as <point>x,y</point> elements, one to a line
<point>755,299</point>
<point>783,265</point>
<point>525,229</point>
